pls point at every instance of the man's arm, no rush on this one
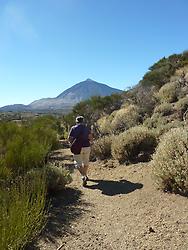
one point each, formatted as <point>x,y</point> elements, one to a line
<point>90,137</point>
<point>70,137</point>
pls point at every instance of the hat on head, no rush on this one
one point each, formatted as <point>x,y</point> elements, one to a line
<point>79,119</point>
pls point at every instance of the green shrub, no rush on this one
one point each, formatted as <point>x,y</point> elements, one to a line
<point>24,154</point>
<point>125,118</point>
<point>171,160</point>
<point>26,146</point>
<point>5,173</point>
<point>57,178</point>
<point>159,75</point>
<point>22,210</point>
<point>45,136</point>
<point>135,144</point>
<point>169,92</point>
<point>101,149</point>
<point>7,133</point>
<point>164,109</point>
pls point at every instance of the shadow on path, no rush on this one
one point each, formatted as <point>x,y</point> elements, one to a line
<point>111,188</point>
<point>65,207</point>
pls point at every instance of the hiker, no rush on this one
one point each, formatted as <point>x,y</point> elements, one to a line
<point>80,137</point>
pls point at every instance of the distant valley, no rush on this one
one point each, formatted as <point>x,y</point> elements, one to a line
<point>67,99</point>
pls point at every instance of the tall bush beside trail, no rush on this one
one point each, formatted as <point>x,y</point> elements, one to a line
<point>47,121</point>
<point>7,133</point>
<point>22,212</point>
<point>171,160</point>
<point>125,118</point>
<point>133,145</point>
<point>5,172</point>
<point>25,147</point>
<point>45,136</point>
<point>101,149</point>
<point>24,154</point>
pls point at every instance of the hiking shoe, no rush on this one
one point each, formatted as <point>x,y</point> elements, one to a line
<point>87,178</point>
<point>84,181</point>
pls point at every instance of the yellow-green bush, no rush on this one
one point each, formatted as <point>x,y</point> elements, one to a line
<point>125,118</point>
<point>169,92</point>
<point>22,210</point>
<point>101,149</point>
<point>133,145</point>
<point>170,162</point>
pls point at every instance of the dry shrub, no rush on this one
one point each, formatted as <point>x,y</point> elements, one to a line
<point>168,92</point>
<point>155,121</point>
<point>182,105</point>
<point>104,125</point>
<point>135,144</point>
<point>57,178</point>
<point>101,149</point>
<point>125,118</point>
<point>162,129</point>
<point>171,160</point>
<point>164,109</point>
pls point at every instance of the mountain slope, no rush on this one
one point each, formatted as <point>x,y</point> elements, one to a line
<point>83,90</point>
<point>67,99</point>
<point>79,92</point>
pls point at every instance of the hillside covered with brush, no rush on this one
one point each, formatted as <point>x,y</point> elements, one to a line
<point>132,126</point>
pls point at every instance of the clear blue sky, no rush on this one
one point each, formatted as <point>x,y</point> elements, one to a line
<point>47,46</point>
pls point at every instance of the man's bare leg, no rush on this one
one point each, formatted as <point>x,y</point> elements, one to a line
<point>85,169</point>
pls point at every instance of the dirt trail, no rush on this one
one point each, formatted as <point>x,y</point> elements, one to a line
<point>120,209</point>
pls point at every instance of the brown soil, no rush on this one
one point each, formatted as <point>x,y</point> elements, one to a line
<point>120,209</point>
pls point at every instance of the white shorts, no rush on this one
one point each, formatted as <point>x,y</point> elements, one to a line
<point>83,157</point>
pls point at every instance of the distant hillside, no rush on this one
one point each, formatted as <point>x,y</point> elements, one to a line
<point>15,108</point>
<point>67,99</point>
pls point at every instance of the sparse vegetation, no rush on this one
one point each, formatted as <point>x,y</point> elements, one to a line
<point>157,104</point>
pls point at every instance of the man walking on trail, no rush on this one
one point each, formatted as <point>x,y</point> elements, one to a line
<point>79,138</point>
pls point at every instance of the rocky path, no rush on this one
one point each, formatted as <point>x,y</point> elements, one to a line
<point>120,209</point>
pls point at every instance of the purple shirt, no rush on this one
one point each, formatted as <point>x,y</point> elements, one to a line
<point>82,132</point>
